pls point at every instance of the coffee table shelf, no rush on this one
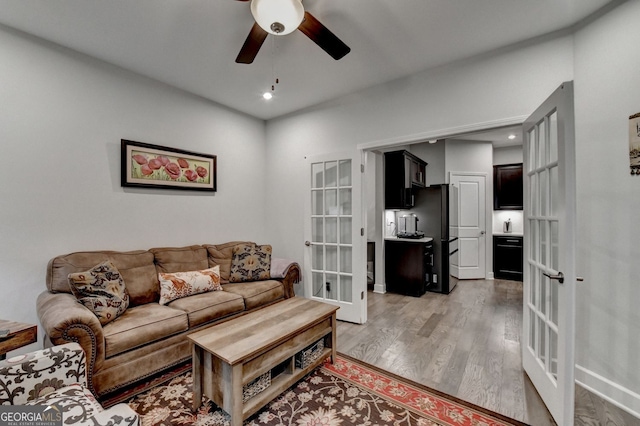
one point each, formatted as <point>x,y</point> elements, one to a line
<point>230,355</point>
<point>279,384</point>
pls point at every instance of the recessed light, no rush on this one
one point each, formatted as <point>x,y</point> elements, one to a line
<point>267,95</point>
<point>512,137</point>
<point>433,141</point>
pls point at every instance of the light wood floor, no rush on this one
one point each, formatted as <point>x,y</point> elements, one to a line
<point>466,344</point>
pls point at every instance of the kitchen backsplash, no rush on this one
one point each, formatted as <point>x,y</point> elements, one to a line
<point>501,216</point>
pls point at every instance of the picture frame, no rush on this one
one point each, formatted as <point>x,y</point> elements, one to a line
<point>634,144</point>
<point>144,165</point>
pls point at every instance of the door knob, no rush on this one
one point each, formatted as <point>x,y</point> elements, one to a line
<point>481,232</point>
<point>559,277</point>
<point>307,243</point>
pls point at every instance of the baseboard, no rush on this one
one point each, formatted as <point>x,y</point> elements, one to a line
<point>379,288</point>
<point>490,276</point>
<point>604,388</point>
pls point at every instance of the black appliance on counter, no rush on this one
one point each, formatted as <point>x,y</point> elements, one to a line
<point>432,204</point>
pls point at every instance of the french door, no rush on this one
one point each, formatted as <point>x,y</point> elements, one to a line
<point>549,273</point>
<point>334,264</point>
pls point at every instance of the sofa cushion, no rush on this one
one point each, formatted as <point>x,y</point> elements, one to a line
<point>101,289</point>
<point>175,285</point>
<point>250,262</point>
<point>180,259</point>
<point>257,293</point>
<point>136,267</point>
<point>221,254</point>
<point>206,307</point>
<point>141,325</point>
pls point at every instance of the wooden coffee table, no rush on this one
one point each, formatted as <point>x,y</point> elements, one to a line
<point>20,334</point>
<point>230,355</point>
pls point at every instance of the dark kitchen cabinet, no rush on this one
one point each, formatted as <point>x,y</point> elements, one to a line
<point>507,257</point>
<point>507,187</point>
<point>403,171</point>
<point>408,266</point>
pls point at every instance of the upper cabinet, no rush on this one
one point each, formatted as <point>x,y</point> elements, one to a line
<point>507,187</point>
<point>403,171</point>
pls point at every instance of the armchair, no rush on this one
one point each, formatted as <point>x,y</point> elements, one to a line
<point>58,375</point>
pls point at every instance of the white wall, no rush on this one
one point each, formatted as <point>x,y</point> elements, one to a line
<point>62,116</point>
<point>607,92</point>
<point>507,155</point>
<point>494,87</point>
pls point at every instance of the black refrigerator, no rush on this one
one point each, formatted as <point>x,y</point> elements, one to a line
<point>433,205</point>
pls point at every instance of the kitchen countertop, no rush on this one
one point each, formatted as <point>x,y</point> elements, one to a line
<point>508,234</point>
<point>410,240</point>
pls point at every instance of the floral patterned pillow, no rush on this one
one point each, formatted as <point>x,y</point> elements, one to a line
<point>101,289</point>
<point>250,263</point>
<point>175,285</point>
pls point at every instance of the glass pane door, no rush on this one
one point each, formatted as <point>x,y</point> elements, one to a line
<point>334,240</point>
<point>543,253</point>
<point>549,274</point>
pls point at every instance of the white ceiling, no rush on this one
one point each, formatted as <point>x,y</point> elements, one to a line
<point>499,137</point>
<point>192,44</point>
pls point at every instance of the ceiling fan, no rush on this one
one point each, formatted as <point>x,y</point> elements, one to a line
<point>281,17</point>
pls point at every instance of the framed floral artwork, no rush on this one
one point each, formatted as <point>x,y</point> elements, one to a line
<point>153,166</point>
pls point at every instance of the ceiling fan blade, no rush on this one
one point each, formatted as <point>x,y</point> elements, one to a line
<point>251,45</point>
<point>324,38</point>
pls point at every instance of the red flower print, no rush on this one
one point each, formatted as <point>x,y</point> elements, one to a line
<point>140,159</point>
<point>172,170</point>
<point>162,159</point>
<point>183,163</point>
<point>191,175</point>
<point>155,164</point>
<point>146,170</point>
<point>202,172</point>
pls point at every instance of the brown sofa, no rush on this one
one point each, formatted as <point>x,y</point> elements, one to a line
<point>148,337</point>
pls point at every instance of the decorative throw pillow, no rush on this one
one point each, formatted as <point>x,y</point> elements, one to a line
<point>250,263</point>
<point>101,289</point>
<point>175,285</point>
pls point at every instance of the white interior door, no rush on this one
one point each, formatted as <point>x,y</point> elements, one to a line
<point>335,262</point>
<point>471,224</point>
<point>549,273</point>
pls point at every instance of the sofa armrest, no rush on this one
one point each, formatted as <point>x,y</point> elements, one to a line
<point>288,272</point>
<point>65,320</point>
<point>29,376</point>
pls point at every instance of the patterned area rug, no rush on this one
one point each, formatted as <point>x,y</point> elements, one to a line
<point>346,393</point>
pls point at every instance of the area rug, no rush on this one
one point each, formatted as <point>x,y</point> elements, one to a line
<point>346,393</point>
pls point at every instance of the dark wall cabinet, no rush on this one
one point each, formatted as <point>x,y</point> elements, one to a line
<point>408,266</point>
<point>507,187</point>
<point>403,171</point>
<point>507,257</point>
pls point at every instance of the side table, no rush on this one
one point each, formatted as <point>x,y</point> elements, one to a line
<point>20,334</point>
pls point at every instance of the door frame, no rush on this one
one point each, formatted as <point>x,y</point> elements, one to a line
<point>403,140</point>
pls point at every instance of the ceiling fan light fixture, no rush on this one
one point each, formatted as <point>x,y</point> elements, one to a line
<point>278,17</point>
